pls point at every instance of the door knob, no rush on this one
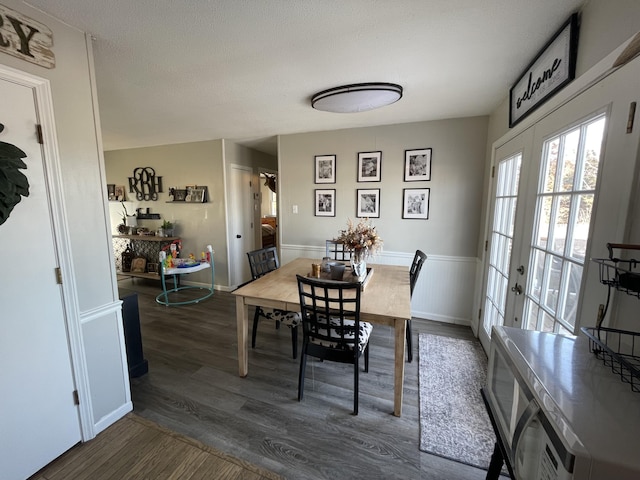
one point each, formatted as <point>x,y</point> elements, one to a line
<point>520,270</point>
<point>517,289</point>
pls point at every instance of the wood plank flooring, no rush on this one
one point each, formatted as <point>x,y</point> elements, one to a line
<point>193,388</point>
<point>135,448</point>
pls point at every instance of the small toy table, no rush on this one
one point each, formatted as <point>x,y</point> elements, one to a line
<point>164,297</point>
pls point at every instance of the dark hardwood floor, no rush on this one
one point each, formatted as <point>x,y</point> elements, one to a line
<point>193,388</point>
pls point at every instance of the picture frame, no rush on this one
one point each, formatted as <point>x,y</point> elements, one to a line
<point>325,202</point>
<point>111,191</point>
<point>552,68</point>
<point>415,203</point>
<point>369,166</point>
<point>368,203</point>
<point>152,267</point>
<point>179,195</point>
<point>118,192</point>
<point>197,194</point>
<point>138,265</point>
<point>325,169</point>
<point>417,165</point>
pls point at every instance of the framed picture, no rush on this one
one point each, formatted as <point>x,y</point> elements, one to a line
<point>118,192</point>
<point>138,265</point>
<point>551,70</point>
<point>111,191</point>
<point>369,164</point>
<point>152,267</point>
<point>415,203</point>
<point>325,169</point>
<point>368,203</point>
<point>417,165</point>
<point>179,195</point>
<point>325,202</point>
<point>196,195</point>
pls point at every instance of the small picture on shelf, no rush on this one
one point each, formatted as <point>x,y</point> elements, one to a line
<point>179,195</point>
<point>138,265</point>
<point>111,191</point>
<point>198,195</point>
<point>118,191</point>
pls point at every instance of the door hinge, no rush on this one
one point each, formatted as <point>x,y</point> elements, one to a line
<point>479,313</point>
<point>58,275</point>
<point>486,245</point>
<point>76,398</point>
<point>39,134</point>
<point>493,171</point>
<point>632,114</point>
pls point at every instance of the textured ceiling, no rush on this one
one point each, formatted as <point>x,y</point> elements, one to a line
<point>173,71</point>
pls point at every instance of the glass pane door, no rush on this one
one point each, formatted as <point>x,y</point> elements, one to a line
<point>501,241</point>
<point>564,202</point>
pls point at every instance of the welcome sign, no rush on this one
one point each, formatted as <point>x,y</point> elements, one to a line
<point>25,38</point>
<point>552,69</point>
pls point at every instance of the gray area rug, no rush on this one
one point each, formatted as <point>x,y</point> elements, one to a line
<point>453,420</point>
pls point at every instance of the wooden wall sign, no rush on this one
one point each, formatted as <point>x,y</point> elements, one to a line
<point>25,38</point>
<point>552,69</point>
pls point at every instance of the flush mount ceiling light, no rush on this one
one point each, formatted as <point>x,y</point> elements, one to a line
<point>359,97</point>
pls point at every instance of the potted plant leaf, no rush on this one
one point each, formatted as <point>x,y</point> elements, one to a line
<point>167,228</point>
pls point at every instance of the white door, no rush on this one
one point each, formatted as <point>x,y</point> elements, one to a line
<point>573,196</point>
<point>38,417</point>
<point>505,220</point>
<point>241,233</point>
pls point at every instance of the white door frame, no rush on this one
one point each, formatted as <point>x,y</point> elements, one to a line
<point>44,103</point>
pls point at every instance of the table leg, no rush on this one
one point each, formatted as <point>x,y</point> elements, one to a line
<point>242,320</point>
<point>400,330</point>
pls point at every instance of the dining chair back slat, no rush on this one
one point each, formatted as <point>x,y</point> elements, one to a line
<point>336,251</point>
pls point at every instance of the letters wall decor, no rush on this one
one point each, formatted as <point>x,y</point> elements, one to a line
<point>25,38</point>
<point>145,184</point>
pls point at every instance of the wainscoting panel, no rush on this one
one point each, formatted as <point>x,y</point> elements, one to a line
<point>445,288</point>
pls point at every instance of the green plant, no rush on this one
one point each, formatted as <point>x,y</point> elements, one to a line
<point>13,183</point>
<point>167,225</point>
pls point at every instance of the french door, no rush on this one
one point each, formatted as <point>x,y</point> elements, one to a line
<point>569,198</point>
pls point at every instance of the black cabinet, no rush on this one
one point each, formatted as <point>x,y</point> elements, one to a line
<point>138,366</point>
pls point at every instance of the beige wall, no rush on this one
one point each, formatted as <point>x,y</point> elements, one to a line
<point>458,148</point>
<point>197,163</point>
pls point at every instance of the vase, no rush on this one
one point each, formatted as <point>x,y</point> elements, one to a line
<point>359,264</point>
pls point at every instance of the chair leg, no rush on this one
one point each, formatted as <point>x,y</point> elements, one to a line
<point>303,365</point>
<point>255,327</point>
<point>409,343</point>
<point>294,341</point>
<point>356,373</point>
<point>366,359</point>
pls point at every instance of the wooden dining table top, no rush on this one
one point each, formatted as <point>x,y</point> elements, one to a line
<point>386,297</point>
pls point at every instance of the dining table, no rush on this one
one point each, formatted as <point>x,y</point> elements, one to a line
<point>385,300</point>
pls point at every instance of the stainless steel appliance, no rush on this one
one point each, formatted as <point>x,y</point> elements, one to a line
<point>558,411</point>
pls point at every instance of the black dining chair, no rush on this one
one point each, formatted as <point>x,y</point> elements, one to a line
<point>335,250</point>
<point>416,266</point>
<point>261,262</point>
<point>331,327</point>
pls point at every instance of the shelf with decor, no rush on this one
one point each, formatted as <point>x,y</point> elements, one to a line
<point>129,248</point>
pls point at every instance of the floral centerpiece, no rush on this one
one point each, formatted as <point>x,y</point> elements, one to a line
<point>363,241</point>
